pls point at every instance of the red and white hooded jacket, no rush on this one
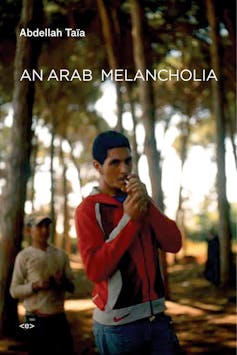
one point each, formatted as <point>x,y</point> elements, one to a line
<point>121,258</point>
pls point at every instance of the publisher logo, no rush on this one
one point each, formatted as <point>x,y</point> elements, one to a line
<point>27,326</point>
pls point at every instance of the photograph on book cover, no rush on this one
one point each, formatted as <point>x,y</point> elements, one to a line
<point>118,169</point>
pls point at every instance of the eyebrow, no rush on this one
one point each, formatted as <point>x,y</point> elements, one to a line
<point>115,161</point>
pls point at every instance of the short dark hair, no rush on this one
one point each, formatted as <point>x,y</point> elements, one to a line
<point>108,140</point>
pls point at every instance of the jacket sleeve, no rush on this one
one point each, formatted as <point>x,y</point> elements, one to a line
<point>100,257</point>
<point>19,288</point>
<point>166,230</point>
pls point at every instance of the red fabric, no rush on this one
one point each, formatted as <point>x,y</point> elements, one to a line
<point>101,259</point>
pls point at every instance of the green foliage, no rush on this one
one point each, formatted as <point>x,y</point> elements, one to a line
<point>233,219</point>
<point>207,219</point>
<point>178,34</point>
<point>9,18</point>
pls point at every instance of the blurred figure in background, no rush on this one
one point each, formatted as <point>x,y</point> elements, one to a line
<point>41,277</point>
<point>212,266</point>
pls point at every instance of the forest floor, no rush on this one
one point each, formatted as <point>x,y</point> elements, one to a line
<point>204,316</point>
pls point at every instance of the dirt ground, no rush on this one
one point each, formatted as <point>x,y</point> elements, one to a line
<point>204,316</point>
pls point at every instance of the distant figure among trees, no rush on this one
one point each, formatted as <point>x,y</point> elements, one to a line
<point>212,267</point>
<point>41,276</point>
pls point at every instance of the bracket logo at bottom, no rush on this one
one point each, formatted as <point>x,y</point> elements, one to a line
<point>27,325</point>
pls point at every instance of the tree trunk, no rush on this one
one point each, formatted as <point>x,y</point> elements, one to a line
<point>231,123</point>
<point>180,214</point>
<point>76,165</point>
<point>147,101</point>
<point>52,200</point>
<point>27,52</point>
<point>33,170</point>
<point>134,120</point>
<point>112,47</point>
<point>66,237</point>
<point>218,111</point>
<point>148,110</point>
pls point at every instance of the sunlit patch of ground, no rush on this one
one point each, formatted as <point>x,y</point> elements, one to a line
<point>174,308</point>
<point>204,315</point>
<point>228,319</point>
<point>79,305</point>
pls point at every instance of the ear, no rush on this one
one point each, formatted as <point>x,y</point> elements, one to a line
<point>97,166</point>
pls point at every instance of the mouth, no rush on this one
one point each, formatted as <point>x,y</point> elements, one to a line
<point>123,180</point>
<point>122,183</point>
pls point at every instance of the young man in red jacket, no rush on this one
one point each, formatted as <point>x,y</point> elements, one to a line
<point>119,232</point>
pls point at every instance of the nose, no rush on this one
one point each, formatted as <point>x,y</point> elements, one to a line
<point>45,229</point>
<point>124,168</point>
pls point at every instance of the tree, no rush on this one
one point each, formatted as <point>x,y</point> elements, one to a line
<point>110,29</point>
<point>27,53</point>
<point>147,100</point>
<point>148,112</point>
<point>218,111</point>
<point>65,189</point>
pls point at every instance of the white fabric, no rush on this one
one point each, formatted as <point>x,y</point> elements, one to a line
<point>33,264</point>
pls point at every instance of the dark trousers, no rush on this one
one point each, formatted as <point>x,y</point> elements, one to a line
<point>50,335</point>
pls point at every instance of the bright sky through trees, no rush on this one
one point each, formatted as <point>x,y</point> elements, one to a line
<point>198,177</point>
<point>199,170</point>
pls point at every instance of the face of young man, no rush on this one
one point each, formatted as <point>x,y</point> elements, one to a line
<point>114,171</point>
<point>40,234</point>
